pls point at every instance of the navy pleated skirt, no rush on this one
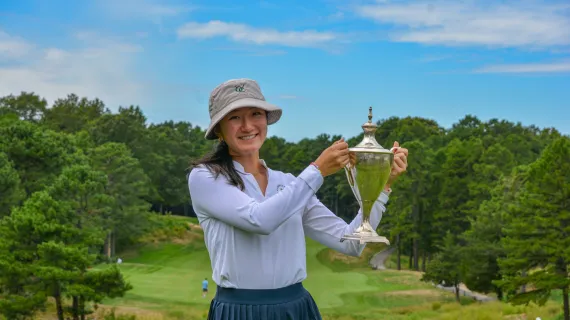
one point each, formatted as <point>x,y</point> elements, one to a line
<point>290,303</point>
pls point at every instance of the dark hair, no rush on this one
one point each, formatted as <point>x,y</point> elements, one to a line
<point>219,161</point>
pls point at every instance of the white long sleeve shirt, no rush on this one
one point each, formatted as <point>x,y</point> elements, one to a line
<point>257,241</point>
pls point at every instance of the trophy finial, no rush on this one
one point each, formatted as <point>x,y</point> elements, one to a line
<point>369,127</point>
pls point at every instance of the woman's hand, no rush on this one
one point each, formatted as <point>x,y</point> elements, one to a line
<point>400,164</point>
<point>333,158</point>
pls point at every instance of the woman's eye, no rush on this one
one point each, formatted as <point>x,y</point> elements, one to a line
<point>234,117</point>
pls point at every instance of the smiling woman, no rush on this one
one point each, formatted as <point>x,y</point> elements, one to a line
<point>255,219</point>
<point>244,130</point>
<point>239,119</point>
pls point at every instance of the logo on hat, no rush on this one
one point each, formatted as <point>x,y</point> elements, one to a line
<point>239,88</point>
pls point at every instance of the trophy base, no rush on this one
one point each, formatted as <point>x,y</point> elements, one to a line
<point>365,238</point>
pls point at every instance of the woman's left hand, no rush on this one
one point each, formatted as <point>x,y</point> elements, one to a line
<point>400,163</point>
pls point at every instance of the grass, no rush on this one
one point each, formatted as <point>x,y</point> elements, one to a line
<point>392,262</point>
<point>167,285</point>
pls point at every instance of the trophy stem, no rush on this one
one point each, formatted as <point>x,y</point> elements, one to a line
<point>365,226</point>
<point>365,233</point>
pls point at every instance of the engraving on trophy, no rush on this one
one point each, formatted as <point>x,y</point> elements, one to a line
<point>367,173</point>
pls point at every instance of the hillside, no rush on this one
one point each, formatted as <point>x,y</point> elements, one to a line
<point>166,279</point>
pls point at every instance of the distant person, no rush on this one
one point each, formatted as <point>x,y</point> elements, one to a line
<point>255,219</point>
<point>204,287</point>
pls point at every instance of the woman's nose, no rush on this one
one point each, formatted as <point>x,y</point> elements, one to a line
<point>246,125</point>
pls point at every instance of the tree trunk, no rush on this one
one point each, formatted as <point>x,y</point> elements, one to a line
<point>82,307</point>
<point>499,293</point>
<point>113,242</point>
<point>75,308</point>
<point>399,248</point>
<point>58,303</point>
<point>416,255</point>
<point>565,303</point>
<point>424,258</point>
<point>457,292</point>
<point>411,260</point>
<point>108,245</point>
<point>416,221</point>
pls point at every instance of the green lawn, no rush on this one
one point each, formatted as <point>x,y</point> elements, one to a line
<point>167,285</point>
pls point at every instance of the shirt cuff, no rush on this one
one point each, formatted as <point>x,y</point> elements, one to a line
<point>384,196</point>
<point>313,177</point>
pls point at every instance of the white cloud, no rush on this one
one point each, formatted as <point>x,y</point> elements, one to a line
<point>103,69</point>
<point>260,36</point>
<point>562,66</point>
<point>151,10</point>
<point>459,23</point>
<point>252,51</point>
<point>12,47</point>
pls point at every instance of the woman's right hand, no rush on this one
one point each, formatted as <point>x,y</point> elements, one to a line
<point>333,158</point>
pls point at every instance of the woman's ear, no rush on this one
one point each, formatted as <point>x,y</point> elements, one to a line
<point>218,133</point>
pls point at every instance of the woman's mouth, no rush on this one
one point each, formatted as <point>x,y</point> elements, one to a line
<point>249,137</point>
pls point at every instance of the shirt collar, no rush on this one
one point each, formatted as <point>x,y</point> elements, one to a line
<point>240,168</point>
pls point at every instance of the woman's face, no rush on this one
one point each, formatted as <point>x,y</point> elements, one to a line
<point>244,130</point>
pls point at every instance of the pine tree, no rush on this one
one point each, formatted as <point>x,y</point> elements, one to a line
<point>537,240</point>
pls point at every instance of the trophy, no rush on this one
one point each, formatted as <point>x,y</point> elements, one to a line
<point>368,171</point>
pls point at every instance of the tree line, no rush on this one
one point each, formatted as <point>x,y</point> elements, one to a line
<point>485,203</point>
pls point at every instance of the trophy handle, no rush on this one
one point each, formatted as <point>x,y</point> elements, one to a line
<point>349,175</point>
<point>348,169</point>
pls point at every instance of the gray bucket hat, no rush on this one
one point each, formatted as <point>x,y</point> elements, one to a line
<point>234,94</point>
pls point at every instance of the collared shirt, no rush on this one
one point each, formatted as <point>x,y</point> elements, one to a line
<point>257,241</point>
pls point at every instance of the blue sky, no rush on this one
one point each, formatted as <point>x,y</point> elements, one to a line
<point>323,61</point>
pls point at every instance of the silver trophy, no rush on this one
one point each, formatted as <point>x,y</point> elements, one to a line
<point>368,172</point>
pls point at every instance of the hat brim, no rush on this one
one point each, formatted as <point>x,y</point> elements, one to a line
<point>273,113</point>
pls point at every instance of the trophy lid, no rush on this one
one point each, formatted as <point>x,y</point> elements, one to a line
<point>369,143</point>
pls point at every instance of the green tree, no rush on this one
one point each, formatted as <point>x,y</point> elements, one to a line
<point>37,154</point>
<point>447,266</point>
<point>537,240</point>
<point>54,238</point>
<point>127,186</point>
<point>457,172</point>
<point>72,114</point>
<point>26,106</point>
<point>10,187</point>
<point>484,245</point>
<point>408,218</point>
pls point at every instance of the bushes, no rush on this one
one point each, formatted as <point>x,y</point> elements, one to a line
<point>169,228</point>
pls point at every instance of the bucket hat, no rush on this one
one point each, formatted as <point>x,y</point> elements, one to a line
<point>234,94</point>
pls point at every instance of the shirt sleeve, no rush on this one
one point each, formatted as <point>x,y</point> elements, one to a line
<point>218,199</point>
<point>322,225</point>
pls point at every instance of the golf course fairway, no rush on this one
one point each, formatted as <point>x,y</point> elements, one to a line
<point>166,279</point>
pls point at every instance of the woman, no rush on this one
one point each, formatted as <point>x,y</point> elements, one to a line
<point>255,219</point>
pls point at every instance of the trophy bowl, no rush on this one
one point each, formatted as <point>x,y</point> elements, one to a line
<point>368,172</point>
